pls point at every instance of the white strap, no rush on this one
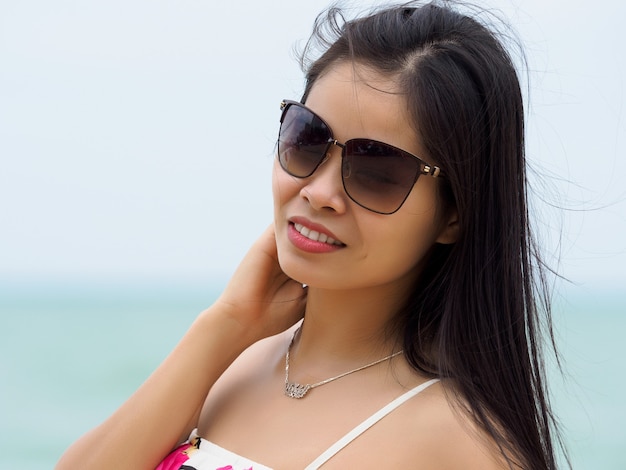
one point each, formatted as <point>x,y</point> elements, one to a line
<point>365,425</point>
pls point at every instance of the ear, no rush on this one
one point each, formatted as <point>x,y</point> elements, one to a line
<point>450,230</point>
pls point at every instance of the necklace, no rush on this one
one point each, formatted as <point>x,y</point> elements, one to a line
<point>296,390</point>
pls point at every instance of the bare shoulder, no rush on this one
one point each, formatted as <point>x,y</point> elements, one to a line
<point>428,431</point>
<point>254,366</point>
<point>446,436</point>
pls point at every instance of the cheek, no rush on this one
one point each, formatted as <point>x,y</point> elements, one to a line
<point>275,185</point>
<point>284,186</point>
<point>285,194</point>
<point>423,199</point>
<point>403,248</point>
<point>278,188</point>
<point>399,247</point>
<point>423,210</point>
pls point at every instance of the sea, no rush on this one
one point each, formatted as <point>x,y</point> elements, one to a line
<point>71,353</point>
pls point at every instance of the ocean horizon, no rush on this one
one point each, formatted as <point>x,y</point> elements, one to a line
<point>72,353</point>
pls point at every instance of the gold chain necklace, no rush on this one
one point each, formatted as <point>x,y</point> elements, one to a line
<point>296,390</point>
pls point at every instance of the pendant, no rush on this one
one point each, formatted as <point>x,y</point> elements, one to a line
<point>293,390</point>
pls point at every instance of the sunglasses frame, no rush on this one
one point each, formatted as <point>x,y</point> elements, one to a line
<point>425,168</point>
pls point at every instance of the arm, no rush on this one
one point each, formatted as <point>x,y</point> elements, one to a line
<point>258,302</point>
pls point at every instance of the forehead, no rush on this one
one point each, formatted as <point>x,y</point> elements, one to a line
<point>357,101</point>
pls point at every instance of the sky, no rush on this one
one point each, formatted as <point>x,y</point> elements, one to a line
<point>137,137</point>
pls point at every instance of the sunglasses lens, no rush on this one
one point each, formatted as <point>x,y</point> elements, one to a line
<point>378,176</point>
<point>302,141</point>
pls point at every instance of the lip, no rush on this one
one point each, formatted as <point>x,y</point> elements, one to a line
<point>306,244</point>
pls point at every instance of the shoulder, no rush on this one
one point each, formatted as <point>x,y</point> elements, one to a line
<point>429,431</point>
<point>253,367</point>
<point>446,436</point>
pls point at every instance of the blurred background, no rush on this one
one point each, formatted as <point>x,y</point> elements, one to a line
<point>136,142</point>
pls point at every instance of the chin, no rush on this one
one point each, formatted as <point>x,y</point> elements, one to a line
<point>295,270</point>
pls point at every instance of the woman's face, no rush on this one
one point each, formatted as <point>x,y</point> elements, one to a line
<point>369,249</point>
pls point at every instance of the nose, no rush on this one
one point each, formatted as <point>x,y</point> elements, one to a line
<point>324,188</point>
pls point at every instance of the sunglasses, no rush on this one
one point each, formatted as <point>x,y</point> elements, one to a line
<point>375,175</point>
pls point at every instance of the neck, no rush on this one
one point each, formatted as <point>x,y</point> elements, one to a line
<point>297,390</point>
<point>347,327</point>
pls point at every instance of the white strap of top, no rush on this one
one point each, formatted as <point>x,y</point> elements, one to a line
<point>365,425</point>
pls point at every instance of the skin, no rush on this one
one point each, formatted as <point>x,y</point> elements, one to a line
<point>236,348</point>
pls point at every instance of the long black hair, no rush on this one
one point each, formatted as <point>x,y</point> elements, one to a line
<point>480,309</point>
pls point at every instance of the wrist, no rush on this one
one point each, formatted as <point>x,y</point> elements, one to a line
<point>231,335</point>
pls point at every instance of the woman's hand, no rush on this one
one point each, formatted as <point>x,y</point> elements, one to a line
<point>259,296</point>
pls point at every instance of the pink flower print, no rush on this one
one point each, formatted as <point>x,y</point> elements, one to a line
<point>178,457</point>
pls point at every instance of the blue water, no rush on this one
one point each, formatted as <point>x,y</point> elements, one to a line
<point>69,355</point>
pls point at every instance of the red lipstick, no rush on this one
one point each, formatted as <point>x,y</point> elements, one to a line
<point>311,237</point>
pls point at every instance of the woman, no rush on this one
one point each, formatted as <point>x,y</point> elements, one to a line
<point>400,204</point>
